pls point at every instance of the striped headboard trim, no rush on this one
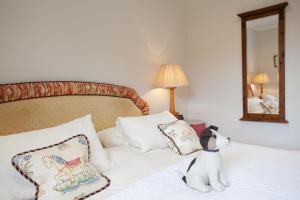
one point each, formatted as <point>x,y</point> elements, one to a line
<point>31,90</point>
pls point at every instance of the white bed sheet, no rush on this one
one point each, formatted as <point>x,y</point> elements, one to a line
<point>255,172</point>
<point>130,165</point>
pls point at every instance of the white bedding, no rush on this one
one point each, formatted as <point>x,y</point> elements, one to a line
<point>131,164</point>
<point>255,172</point>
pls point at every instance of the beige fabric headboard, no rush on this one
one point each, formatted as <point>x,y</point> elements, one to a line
<point>36,105</point>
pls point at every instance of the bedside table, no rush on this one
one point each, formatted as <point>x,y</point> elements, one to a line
<point>197,125</point>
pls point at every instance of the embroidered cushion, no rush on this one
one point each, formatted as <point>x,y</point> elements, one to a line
<point>61,171</point>
<point>270,107</point>
<point>180,136</point>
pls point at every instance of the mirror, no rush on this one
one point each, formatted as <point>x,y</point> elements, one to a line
<point>263,64</point>
<point>262,69</point>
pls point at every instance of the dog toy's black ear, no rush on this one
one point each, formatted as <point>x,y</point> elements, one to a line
<point>204,142</point>
<point>204,137</point>
<point>213,128</point>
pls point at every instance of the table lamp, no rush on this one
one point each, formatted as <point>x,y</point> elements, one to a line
<point>261,78</point>
<point>171,76</point>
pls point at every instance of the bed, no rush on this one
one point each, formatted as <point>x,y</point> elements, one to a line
<point>254,172</point>
<point>141,165</point>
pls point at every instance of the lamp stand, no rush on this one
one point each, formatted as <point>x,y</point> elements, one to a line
<point>261,90</point>
<point>172,103</point>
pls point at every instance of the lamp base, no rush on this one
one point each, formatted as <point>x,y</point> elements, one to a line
<point>176,114</point>
<point>172,103</point>
<point>261,91</point>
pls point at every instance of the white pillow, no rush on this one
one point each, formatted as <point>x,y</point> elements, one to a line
<point>142,131</point>
<point>112,137</point>
<point>271,98</point>
<point>10,189</point>
<point>61,171</point>
<point>16,143</point>
<point>254,105</point>
<point>181,137</point>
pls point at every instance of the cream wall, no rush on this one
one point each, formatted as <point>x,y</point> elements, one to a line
<point>214,68</point>
<point>114,41</point>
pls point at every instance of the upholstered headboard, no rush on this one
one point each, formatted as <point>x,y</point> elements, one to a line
<point>36,105</point>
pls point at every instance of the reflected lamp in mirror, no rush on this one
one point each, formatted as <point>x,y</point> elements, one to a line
<point>261,79</point>
<point>171,76</point>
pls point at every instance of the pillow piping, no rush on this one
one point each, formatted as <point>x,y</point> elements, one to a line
<point>38,149</point>
<point>178,149</point>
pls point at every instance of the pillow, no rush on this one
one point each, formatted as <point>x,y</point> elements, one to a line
<point>142,131</point>
<point>181,137</point>
<point>10,189</point>
<point>271,98</point>
<point>12,144</point>
<point>254,105</point>
<point>61,171</point>
<point>112,137</point>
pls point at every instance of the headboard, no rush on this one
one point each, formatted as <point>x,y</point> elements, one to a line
<point>37,105</point>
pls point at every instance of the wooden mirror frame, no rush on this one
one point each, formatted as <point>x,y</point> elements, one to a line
<point>251,15</point>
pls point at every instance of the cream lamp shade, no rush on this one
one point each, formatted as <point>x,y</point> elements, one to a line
<point>261,78</point>
<point>171,76</point>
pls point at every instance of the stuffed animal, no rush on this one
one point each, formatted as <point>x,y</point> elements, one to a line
<point>205,172</point>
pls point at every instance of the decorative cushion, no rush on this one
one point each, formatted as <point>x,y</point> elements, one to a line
<point>270,107</point>
<point>181,137</point>
<point>270,104</point>
<point>62,170</point>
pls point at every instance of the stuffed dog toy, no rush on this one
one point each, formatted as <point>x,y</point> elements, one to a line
<point>205,172</point>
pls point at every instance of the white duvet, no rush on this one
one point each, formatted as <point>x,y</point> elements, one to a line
<point>255,173</point>
<point>131,165</point>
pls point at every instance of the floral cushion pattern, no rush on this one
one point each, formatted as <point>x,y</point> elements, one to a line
<point>181,137</point>
<point>61,171</point>
<point>21,91</point>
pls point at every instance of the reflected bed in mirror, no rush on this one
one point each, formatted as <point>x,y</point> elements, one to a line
<point>263,64</point>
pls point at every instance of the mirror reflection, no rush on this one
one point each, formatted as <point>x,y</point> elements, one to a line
<point>262,65</point>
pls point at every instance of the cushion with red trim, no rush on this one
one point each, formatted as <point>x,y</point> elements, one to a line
<point>181,137</point>
<point>61,171</point>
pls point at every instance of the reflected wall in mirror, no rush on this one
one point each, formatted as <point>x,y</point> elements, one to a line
<point>263,64</point>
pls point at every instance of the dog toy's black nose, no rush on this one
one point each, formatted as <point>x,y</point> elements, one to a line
<point>228,138</point>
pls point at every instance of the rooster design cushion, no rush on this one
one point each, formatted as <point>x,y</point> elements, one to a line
<point>181,137</point>
<point>61,171</point>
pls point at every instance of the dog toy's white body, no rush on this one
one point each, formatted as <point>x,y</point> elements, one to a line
<point>206,172</point>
